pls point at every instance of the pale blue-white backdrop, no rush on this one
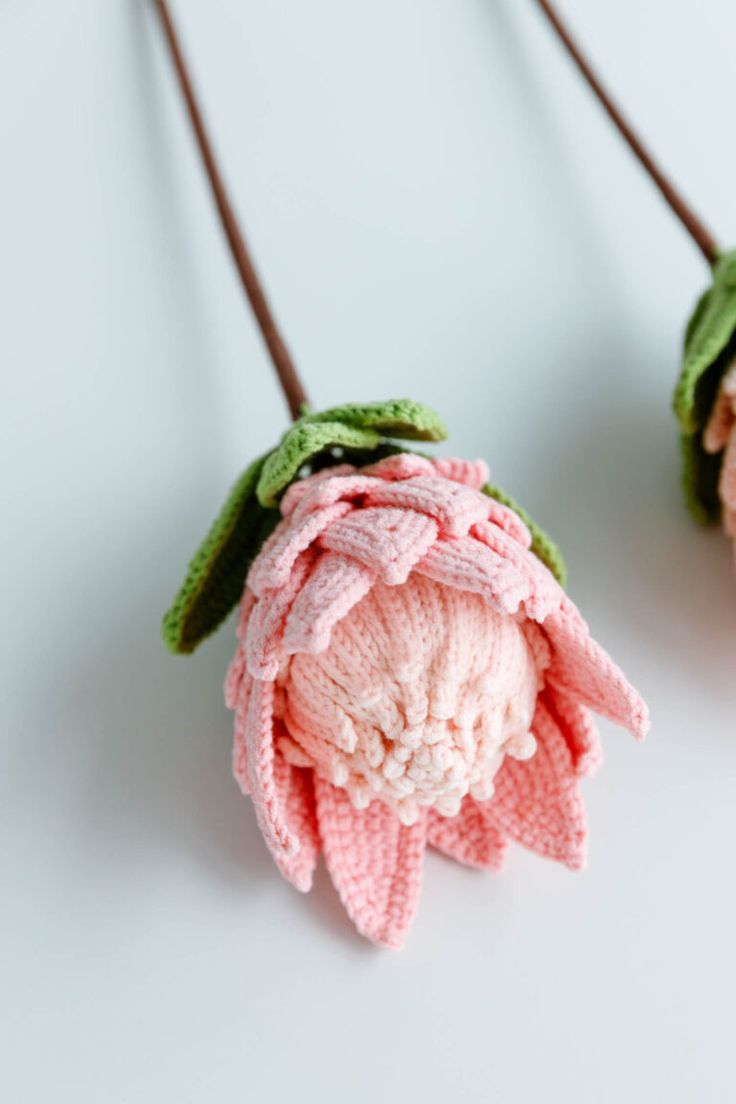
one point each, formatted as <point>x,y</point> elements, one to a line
<point>439,210</point>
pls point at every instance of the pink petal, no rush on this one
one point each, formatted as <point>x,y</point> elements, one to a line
<point>296,491</point>
<point>240,750</point>
<point>543,593</point>
<point>510,522</point>
<point>581,667</point>
<point>578,727</point>
<point>318,494</point>
<point>454,507</point>
<point>471,473</point>
<point>469,837</point>
<point>236,672</point>
<point>727,478</point>
<point>295,794</point>
<point>466,564</point>
<point>275,561</point>
<point>403,465</point>
<point>247,603</point>
<point>333,588</point>
<point>537,802</point>
<point>720,422</point>
<point>264,644</point>
<point>387,541</point>
<point>294,797</point>
<point>375,863</point>
<point>258,739</point>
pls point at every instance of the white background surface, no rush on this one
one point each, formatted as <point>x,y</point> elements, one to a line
<point>439,210</point>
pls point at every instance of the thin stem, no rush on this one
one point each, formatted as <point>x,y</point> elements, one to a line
<point>697,229</point>
<point>288,377</point>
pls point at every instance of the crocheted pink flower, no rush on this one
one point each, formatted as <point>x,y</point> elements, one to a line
<point>408,673</point>
<point>720,435</point>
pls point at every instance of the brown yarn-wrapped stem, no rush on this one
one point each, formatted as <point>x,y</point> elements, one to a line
<point>695,227</point>
<point>287,374</point>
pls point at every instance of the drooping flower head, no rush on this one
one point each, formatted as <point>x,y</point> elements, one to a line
<point>408,672</point>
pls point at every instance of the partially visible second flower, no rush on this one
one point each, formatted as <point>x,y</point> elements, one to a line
<point>719,436</point>
<point>409,673</point>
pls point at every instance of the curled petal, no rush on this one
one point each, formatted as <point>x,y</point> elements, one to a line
<point>543,593</point>
<point>276,560</point>
<point>264,631</point>
<point>295,793</point>
<point>471,473</point>
<point>720,422</point>
<point>236,672</point>
<point>319,494</point>
<point>581,667</point>
<point>262,784</point>
<point>537,802</point>
<point>576,724</point>
<point>466,564</point>
<point>454,507</point>
<point>244,611</point>
<point>295,492</point>
<point>727,479</point>
<point>388,541</point>
<point>333,588</point>
<point>240,749</point>
<point>505,518</point>
<point>375,863</point>
<point>403,465</point>
<point>469,838</point>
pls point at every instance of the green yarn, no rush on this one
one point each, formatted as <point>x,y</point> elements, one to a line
<point>299,445</point>
<point>353,426</point>
<point>355,433</point>
<point>543,547</point>
<point>700,473</point>
<point>404,418</point>
<point>709,332</point>
<point>216,575</point>
<point>710,340</point>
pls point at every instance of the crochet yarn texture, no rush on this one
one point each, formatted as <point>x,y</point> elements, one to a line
<point>409,673</point>
<point>719,440</point>
<point>362,432</point>
<point>710,349</point>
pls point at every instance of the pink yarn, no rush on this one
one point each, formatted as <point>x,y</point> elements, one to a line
<point>720,434</point>
<point>408,672</point>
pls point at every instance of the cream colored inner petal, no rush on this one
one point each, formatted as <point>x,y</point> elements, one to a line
<point>420,694</point>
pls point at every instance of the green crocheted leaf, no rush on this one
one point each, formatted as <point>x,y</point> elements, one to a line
<point>305,440</point>
<point>216,575</point>
<point>700,474</point>
<point>543,547</point>
<point>404,418</point>
<point>708,336</point>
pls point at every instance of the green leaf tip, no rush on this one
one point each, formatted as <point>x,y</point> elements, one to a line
<point>708,346</point>
<point>216,575</point>
<point>543,547</point>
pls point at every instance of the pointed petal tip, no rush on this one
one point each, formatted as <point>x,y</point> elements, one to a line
<point>640,720</point>
<point>589,763</point>
<point>303,882</point>
<point>576,858</point>
<point>386,939</point>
